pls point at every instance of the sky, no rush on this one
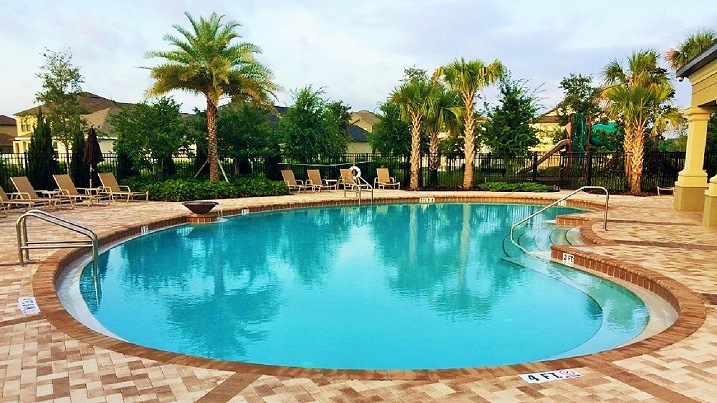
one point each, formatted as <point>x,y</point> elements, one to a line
<point>355,51</point>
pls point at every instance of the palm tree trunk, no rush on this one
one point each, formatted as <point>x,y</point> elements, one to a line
<point>637,162</point>
<point>469,139</point>
<point>433,159</point>
<point>415,149</point>
<point>212,154</point>
<point>634,147</point>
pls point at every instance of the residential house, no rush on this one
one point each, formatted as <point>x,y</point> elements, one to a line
<point>8,132</point>
<point>361,125</point>
<point>547,125</point>
<point>96,110</point>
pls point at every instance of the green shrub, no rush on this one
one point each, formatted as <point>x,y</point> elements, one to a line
<point>175,189</point>
<point>516,187</point>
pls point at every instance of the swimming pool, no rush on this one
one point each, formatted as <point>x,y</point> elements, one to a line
<point>382,287</point>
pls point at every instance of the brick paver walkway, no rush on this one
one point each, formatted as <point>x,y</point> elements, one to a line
<point>47,356</point>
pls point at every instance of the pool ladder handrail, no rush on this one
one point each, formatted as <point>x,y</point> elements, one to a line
<point>357,188</point>
<point>24,245</point>
<point>562,199</point>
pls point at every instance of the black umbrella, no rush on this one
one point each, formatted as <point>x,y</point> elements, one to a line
<point>93,154</point>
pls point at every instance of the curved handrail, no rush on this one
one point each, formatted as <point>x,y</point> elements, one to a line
<point>24,245</point>
<point>607,200</point>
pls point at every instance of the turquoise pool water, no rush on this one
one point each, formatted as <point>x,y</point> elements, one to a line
<point>404,286</point>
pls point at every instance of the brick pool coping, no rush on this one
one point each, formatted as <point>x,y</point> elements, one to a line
<point>688,304</point>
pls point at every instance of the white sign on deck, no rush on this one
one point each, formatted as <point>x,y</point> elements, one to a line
<point>28,305</point>
<point>540,377</point>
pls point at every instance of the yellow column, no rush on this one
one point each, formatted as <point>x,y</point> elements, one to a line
<point>709,218</point>
<point>692,180</point>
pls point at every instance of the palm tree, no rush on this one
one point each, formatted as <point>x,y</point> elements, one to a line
<point>467,78</point>
<point>413,97</point>
<point>205,61</point>
<point>639,96</point>
<point>692,46</point>
<point>444,110</point>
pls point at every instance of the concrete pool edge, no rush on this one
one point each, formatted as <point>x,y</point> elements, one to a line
<point>687,303</point>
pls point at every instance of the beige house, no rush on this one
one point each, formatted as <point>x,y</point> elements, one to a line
<point>547,125</point>
<point>693,192</point>
<point>361,126</point>
<point>8,132</point>
<point>96,109</point>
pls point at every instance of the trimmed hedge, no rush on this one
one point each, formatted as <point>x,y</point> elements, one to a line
<point>516,187</point>
<point>196,189</point>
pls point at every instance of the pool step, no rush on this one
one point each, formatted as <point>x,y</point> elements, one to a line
<point>538,240</point>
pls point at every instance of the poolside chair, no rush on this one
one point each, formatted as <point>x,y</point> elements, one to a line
<point>316,183</point>
<point>7,202</point>
<point>117,191</point>
<point>354,184</point>
<point>292,182</point>
<point>384,180</point>
<point>26,192</point>
<point>68,191</point>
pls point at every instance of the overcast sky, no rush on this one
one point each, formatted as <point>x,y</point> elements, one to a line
<point>356,51</point>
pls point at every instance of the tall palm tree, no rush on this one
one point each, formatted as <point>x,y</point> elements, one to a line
<point>692,46</point>
<point>640,96</point>
<point>413,97</point>
<point>205,60</point>
<point>444,110</point>
<point>467,78</point>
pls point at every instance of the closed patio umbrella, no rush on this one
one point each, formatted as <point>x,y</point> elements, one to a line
<point>93,154</point>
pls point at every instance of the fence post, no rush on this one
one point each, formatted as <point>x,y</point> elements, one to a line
<point>590,167</point>
<point>535,166</point>
<point>561,169</point>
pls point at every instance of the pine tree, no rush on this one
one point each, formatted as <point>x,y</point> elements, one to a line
<point>42,162</point>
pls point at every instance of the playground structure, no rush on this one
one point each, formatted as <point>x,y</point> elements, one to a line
<point>579,129</point>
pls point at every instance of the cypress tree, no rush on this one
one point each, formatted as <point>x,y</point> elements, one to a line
<point>42,162</point>
<point>79,171</point>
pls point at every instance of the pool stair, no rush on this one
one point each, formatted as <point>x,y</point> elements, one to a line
<point>537,240</point>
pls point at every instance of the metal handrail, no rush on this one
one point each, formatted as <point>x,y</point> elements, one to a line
<point>24,245</point>
<point>607,200</point>
<point>358,187</point>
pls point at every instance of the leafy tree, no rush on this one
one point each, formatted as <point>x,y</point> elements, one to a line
<point>342,115</point>
<point>156,129</point>
<point>61,92</point>
<point>711,146</point>
<point>508,129</point>
<point>245,131</point>
<point>78,170</point>
<point>412,97</point>
<point>206,61</point>
<point>580,96</point>
<point>467,78</point>
<point>692,46</point>
<point>41,155</point>
<point>639,96</point>
<point>391,135</point>
<point>309,129</point>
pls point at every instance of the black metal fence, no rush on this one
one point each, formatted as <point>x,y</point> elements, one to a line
<point>564,170</point>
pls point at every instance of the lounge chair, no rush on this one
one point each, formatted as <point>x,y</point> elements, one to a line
<point>384,180</point>
<point>292,182</point>
<point>8,202</point>
<point>316,183</point>
<point>68,191</point>
<point>26,192</point>
<point>117,191</point>
<point>354,184</point>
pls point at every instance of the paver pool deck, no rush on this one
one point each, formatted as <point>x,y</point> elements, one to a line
<point>49,357</point>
